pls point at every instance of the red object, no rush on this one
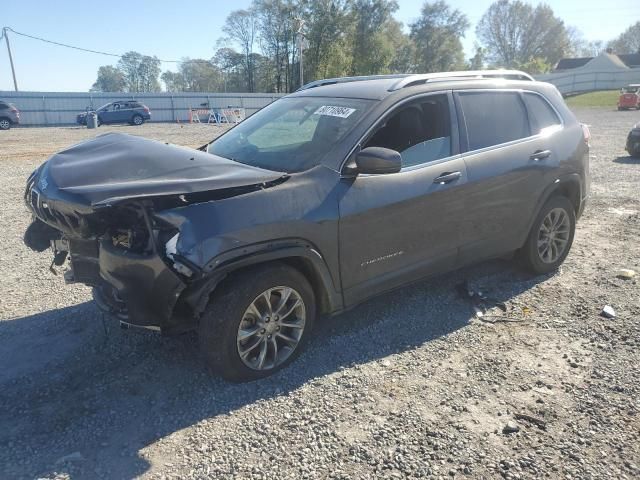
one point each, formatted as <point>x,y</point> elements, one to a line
<point>629,97</point>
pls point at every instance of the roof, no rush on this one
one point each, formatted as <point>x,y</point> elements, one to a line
<point>380,89</point>
<point>570,63</point>
<point>631,60</point>
<point>376,87</point>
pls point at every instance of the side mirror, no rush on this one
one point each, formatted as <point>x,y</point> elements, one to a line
<point>378,160</point>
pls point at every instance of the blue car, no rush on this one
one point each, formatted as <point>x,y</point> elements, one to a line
<point>123,111</point>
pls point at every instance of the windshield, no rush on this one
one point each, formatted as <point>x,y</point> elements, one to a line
<point>291,134</point>
<point>103,107</point>
<point>630,89</point>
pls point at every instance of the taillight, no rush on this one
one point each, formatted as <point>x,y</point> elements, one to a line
<point>586,133</point>
<point>146,109</point>
<point>14,110</point>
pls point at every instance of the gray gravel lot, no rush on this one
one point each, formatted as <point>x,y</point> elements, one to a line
<point>406,385</point>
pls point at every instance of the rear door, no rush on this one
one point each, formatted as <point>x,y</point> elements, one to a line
<point>126,112</point>
<point>509,159</point>
<point>396,228</point>
<point>109,113</point>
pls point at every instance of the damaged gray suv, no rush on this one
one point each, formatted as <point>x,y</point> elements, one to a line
<point>339,192</point>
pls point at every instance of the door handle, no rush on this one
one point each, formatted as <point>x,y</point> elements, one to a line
<point>539,155</point>
<point>447,177</point>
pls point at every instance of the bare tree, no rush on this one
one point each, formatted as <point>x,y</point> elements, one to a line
<point>515,34</point>
<point>628,41</point>
<point>241,26</point>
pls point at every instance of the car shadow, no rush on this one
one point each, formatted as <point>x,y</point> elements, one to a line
<point>627,160</point>
<point>74,382</point>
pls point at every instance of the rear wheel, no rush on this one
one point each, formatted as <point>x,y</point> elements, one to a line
<point>257,322</point>
<point>137,120</point>
<point>551,236</point>
<point>5,124</point>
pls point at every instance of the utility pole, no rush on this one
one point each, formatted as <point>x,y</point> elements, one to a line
<point>13,70</point>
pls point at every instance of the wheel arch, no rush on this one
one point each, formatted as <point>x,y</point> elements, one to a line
<point>569,186</point>
<point>305,259</point>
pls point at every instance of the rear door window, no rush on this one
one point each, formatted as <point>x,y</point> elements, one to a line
<point>493,118</point>
<point>540,112</point>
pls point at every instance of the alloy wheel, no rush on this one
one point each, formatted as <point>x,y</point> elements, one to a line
<point>553,236</point>
<point>271,328</point>
<point>4,124</point>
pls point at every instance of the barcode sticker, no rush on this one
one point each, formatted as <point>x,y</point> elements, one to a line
<point>342,112</point>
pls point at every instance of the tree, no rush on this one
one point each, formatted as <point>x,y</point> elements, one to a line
<point>581,47</point>
<point>371,51</point>
<point>628,41</point>
<point>241,26</point>
<point>173,81</point>
<point>436,34</point>
<point>140,72</point>
<point>477,61</point>
<point>110,79</point>
<point>326,25</point>
<point>514,34</point>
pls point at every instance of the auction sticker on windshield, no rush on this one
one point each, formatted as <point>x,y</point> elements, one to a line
<point>342,112</point>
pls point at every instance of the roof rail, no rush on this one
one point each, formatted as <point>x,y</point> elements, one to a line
<point>332,81</point>
<point>411,80</point>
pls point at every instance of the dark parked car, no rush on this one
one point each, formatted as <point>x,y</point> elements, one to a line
<point>123,111</point>
<point>633,141</point>
<point>325,198</point>
<point>9,115</point>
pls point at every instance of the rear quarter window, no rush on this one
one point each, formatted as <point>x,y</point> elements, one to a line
<point>540,113</point>
<point>493,118</point>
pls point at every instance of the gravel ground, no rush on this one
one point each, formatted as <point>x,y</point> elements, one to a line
<point>407,385</point>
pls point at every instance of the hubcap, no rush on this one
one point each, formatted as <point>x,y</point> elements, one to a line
<point>271,328</point>
<point>553,236</point>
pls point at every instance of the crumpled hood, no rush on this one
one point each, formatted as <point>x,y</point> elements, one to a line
<point>115,167</point>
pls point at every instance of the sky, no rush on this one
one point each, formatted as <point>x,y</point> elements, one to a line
<point>173,30</point>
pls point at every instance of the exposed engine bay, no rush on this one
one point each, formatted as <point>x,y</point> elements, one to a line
<point>115,212</point>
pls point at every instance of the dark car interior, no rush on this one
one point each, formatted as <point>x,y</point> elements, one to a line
<point>421,132</point>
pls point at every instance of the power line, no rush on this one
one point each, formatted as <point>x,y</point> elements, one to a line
<point>97,52</point>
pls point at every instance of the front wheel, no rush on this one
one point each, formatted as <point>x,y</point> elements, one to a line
<point>550,237</point>
<point>257,322</point>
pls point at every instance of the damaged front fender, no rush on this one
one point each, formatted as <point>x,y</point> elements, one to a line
<point>143,281</point>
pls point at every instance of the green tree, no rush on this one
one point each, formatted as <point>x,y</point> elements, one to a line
<point>110,79</point>
<point>326,24</point>
<point>628,41</point>
<point>477,61</point>
<point>241,26</point>
<point>514,34</point>
<point>140,72</point>
<point>436,34</point>
<point>173,81</point>
<point>372,50</point>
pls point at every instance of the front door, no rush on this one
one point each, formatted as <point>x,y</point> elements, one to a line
<point>396,228</point>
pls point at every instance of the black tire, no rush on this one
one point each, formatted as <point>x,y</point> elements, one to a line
<point>5,124</point>
<point>530,254</point>
<point>219,324</point>
<point>137,120</point>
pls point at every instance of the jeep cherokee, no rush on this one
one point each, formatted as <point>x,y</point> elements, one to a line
<point>336,193</point>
